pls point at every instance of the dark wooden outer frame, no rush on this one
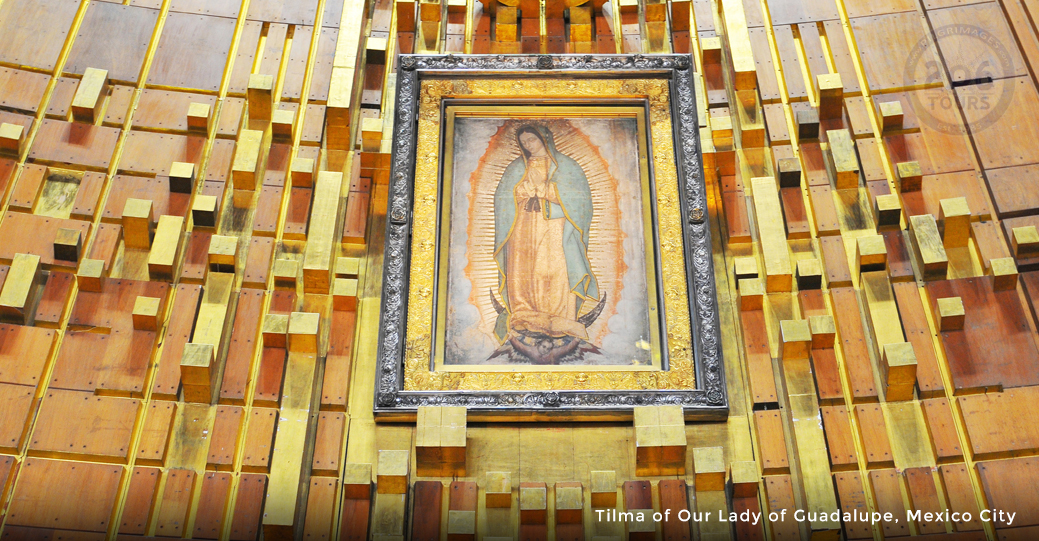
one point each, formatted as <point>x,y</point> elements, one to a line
<point>708,401</point>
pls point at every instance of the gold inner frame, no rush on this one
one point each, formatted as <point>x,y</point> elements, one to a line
<point>418,375</point>
<point>637,113</point>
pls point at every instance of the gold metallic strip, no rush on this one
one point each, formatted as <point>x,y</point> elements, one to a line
<point>420,303</point>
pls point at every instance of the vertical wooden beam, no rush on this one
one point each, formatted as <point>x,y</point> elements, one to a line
<point>317,257</point>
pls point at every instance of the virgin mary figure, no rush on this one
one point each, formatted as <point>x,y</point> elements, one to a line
<point>542,216</point>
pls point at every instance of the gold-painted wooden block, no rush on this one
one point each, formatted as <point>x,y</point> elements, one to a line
<point>647,443</point>
<point>629,7</point>
<point>246,159</point>
<point>340,93</point>
<point>498,492</point>
<point>344,294</point>
<point>711,50</point>
<point>745,477</point>
<point>427,440</point>
<point>871,253</point>
<point>204,210</point>
<point>318,254</point>
<point>891,115</point>
<point>357,481</point>
<point>393,471</point>
<point>12,139</point>
<point>809,274</point>
<point>506,25</point>
<point>673,440</point>
<point>673,444</point>
<point>533,503</point>
<point>375,47</point>
<point>1004,273</point>
<point>752,294</point>
<point>655,10</point>
<point>199,116</point>
<point>823,331</point>
<point>281,124</point>
<point>196,364</point>
<point>887,211</point>
<point>452,450</point>
<point>337,112</point>
<point>430,11</point>
<point>209,325</point>
<point>440,441</point>
<point>569,503</point>
<point>260,96</point>
<point>302,172</point>
<point>275,330</point>
<point>461,525</point>
<point>672,437</point>
<point>670,416</point>
<point>648,450</point>
<point>709,468</point>
<point>348,267</point>
<point>795,336</point>
<point>790,173</point>
<point>91,275</point>
<point>752,125</point>
<point>950,314</point>
<point>898,371</point>
<point>845,160</point>
<point>721,129</point>
<point>930,253</point>
<point>580,24</point>
<point>22,278</point>
<point>453,419</point>
<point>182,177</point>
<point>146,313</point>
<point>741,55</point>
<point>660,440</point>
<point>138,222</point>
<point>645,416</point>
<point>90,95</point>
<point>285,272</point>
<point>807,121</point>
<point>744,268</point>
<point>68,243</point>
<point>603,487</point>
<point>774,248</point>
<point>831,95</point>
<point>955,216</point>
<point>371,133</point>
<point>909,175</point>
<point>303,331</point>
<point>223,251</point>
<point>898,364</point>
<point>1025,241</point>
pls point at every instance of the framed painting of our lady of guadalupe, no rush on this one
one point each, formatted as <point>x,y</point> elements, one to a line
<point>548,251</point>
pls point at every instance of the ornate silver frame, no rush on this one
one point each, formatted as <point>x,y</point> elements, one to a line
<point>709,401</point>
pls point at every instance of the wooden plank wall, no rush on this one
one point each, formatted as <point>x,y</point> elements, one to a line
<point>101,434</point>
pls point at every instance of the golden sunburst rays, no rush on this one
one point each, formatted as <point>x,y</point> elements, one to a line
<point>606,239</point>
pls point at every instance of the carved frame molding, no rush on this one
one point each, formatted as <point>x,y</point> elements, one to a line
<point>708,401</point>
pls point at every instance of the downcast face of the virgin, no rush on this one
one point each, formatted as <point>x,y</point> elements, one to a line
<point>532,143</point>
